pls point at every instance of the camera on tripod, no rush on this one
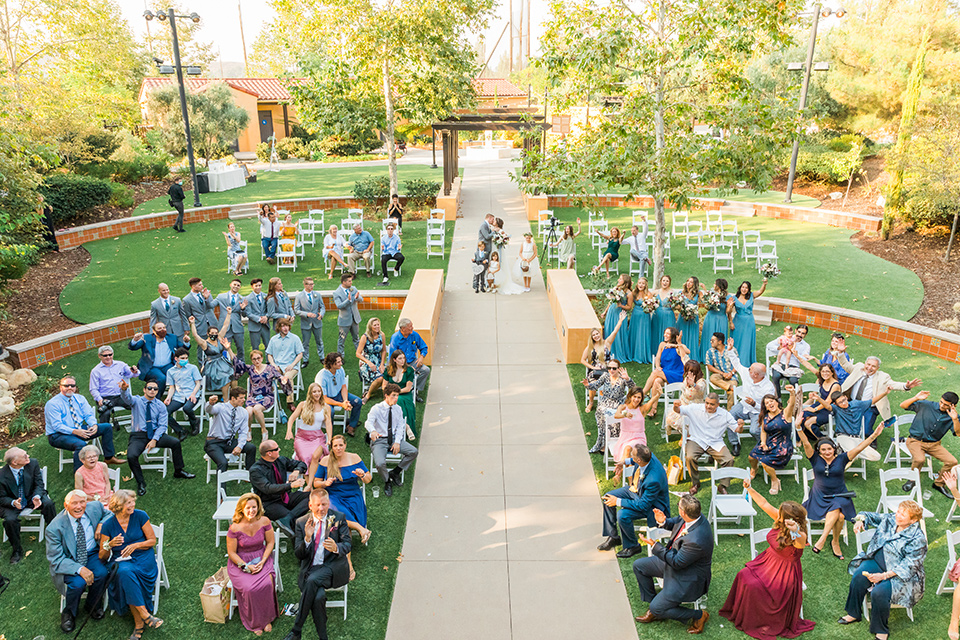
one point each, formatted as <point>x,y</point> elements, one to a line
<point>553,222</point>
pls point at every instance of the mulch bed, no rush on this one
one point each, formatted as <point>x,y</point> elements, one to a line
<point>141,193</point>
<point>34,414</point>
<point>864,191</point>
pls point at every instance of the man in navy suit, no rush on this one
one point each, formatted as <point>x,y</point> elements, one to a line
<point>322,543</point>
<point>156,353</point>
<point>21,487</point>
<point>683,563</point>
<point>646,490</point>
<point>74,567</point>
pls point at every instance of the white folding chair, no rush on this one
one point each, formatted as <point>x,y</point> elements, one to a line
<point>858,466</point>
<point>316,215</point>
<point>714,220</point>
<point>723,257</point>
<point>347,224</point>
<point>436,238</point>
<point>287,258</point>
<point>863,539</point>
<point>766,252</point>
<point>702,462</point>
<point>694,232</point>
<point>227,504</point>
<point>162,579</point>
<point>793,467</point>
<point>681,220</point>
<point>666,246</point>
<point>946,584</point>
<point>28,514</point>
<point>230,269</point>
<point>65,457</point>
<point>730,508</point>
<point>811,531</point>
<point>437,214</point>
<point>543,222</point>
<point>355,214</point>
<point>758,537</point>
<point>728,228</point>
<point>342,603</point>
<point>898,453</point>
<point>613,437</point>
<point>232,461</point>
<point>114,475</point>
<point>614,264</point>
<point>307,231</point>
<point>706,245</point>
<point>392,460</point>
<point>637,267</point>
<point>593,227</point>
<point>670,394</point>
<point>155,459</point>
<point>890,502</point>
<point>751,240</point>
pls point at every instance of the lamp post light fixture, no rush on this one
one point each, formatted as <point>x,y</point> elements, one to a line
<point>178,68</point>
<point>807,68</point>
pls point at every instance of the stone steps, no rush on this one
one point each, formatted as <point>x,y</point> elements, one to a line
<point>241,211</point>
<point>740,209</point>
<point>762,313</point>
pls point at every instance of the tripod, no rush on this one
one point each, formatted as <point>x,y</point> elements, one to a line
<point>550,240</point>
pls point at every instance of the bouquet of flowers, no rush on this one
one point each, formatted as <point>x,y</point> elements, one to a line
<point>769,270</point>
<point>675,300</point>
<point>711,299</point>
<point>500,238</point>
<point>687,312</point>
<point>682,306</point>
<point>616,296</point>
<point>649,305</point>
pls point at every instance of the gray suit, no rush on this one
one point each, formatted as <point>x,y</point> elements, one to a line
<point>201,310</point>
<point>486,237</point>
<point>348,319</point>
<point>310,327</point>
<point>174,317</point>
<point>279,307</point>
<point>254,311</point>
<point>61,541</point>
<point>234,332</point>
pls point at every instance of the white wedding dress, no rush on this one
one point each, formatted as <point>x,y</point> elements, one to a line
<point>507,280</point>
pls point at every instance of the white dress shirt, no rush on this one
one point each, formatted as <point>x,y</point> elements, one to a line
<point>707,429</point>
<point>320,529</point>
<point>753,390</point>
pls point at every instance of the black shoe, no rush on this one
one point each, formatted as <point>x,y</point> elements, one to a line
<point>17,556</point>
<point>305,362</point>
<point>196,429</point>
<point>842,620</point>
<point>942,489</point>
<point>421,399</point>
<point>875,446</point>
<point>116,425</point>
<point>141,488</point>
<point>384,283</point>
<point>629,552</point>
<point>609,543</point>
<point>285,527</point>
<point>908,486</point>
<point>292,636</point>
<point>98,613</point>
<point>184,475</point>
<point>388,488</point>
<point>396,477</point>
<point>735,450</point>
<point>67,622</point>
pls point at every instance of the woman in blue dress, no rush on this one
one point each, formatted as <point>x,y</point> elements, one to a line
<point>641,325</point>
<point>621,344</point>
<point>816,411</point>
<point>127,540</point>
<point>691,328</point>
<point>668,364</point>
<point>664,316</point>
<point>716,320</point>
<point>775,448</point>
<point>744,325</point>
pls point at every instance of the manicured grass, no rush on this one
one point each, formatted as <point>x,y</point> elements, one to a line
<point>123,273</point>
<point>29,608</point>
<point>818,264</point>
<point>825,576</point>
<point>766,197</point>
<point>297,183</point>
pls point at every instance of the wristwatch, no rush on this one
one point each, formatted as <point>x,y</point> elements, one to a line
<point>106,545</point>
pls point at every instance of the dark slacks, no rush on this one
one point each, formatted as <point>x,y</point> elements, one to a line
<point>188,408</point>
<point>76,585</point>
<point>387,257</point>
<point>665,604</point>
<point>70,442</point>
<point>879,596</point>
<point>179,207</point>
<point>218,450</point>
<point>137,445</point>
<point>296,506</point>
<point>110,403</point>
<point>11,518</point>
<point>622,516</point>
<point>313,600</point>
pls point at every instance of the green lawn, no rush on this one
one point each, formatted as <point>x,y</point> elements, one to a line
<point>29,607</point>
<point>825,576</point>
<point>818,264</point>
<point>297,183</point>
<point>766,197</point>
<point>123,272</point>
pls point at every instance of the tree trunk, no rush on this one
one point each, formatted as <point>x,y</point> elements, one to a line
<point>391,127</point>
<point>661,223</point>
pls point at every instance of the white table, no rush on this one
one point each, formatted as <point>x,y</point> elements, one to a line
<point>226,180</point>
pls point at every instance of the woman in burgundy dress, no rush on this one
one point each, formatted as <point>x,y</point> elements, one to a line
<point>250,543</point>
<point>766,596</point>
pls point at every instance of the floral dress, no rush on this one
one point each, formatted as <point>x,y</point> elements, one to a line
<point>612,395</point>
<point>690,395</point>
<point>779,443</point>
<point>261,384</point>
<point>372,351</point>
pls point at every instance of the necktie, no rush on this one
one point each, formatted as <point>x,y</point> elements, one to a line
<point>279,478</point>
<point>271,231</point>
<point>149,419</point>
<point>860,386</point>
<point>233,300</point>
<point>20,488</point>
<point>167,304</point>
<point>310,297</point>
<point>259,298</point>
<point>390,426</point>
<point>77,422</point>
<point>635,482</point>
<point>233,421</point>
<point>81,544</point>
<point>679,533</point>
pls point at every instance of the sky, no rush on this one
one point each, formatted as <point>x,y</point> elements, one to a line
<point>221,23</point>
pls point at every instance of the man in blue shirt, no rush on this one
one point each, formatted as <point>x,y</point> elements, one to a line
<point>360,246</point>
<point>70,424</point>
<point>646,490</point>
<point>390,250</point>
<point>285,352</point>
<point>933,421</point>
<point>105,379</point>
<point>415,349</point>
<point>148,430</point>
<point>183,388</point>
<point>848,421</point>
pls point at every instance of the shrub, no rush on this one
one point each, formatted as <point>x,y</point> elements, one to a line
<point>263,152</point>
<point>924,210</point>
<point>372,189</point>
<point>70,194</point>
<point>290,148</point>
<point>420,192</point>
<point>819,163</point>
<point>122,195</point>
<point>340,146</point>
<point>315,150</point>
<point>840,145</point>
<point>300,132</point>
<point>15,259</point>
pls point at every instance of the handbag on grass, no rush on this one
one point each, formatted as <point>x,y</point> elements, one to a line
<point>215,597</point>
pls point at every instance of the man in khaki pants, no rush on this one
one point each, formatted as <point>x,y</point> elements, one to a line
<point>930,424</point>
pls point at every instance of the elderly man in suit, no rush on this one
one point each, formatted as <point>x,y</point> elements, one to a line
<point>258,324</point>
<point>199,304</point>
<point>21,487</point>
<point>168,309</point>
<point>485,236</point>
<point>236,303</point>
<point>321,544</point>
<point>71,425</point>
<point>75,565</point>
<point>684,563</point>
<point>645,491</point>
<point>308,306</point>
<point>348,299</point>
<point>156,353</point>
<point>866,380</point>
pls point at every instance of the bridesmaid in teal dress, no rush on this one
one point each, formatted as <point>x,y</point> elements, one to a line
<point>621,347</point>
<point>744,325</point>
<point>641,325</point>
<point>716,319</point>
<point>691,328</point>
<point>663,317</point>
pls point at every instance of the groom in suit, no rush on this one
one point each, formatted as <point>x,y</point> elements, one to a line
<point>486,237</point>
<point>156,353</point>
<point>322,543</point>
<point>74,567</point>
<point>683,563</point>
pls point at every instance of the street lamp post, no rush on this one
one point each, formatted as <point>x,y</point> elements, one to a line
<point>808,69</point>
<point>172,17</point>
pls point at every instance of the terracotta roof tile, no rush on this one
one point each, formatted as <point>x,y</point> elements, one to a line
<point>499,87</point>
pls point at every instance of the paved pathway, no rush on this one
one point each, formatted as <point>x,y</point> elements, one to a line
<point>505,515</point>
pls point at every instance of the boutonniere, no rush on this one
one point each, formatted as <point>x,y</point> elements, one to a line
<point>682,533</point>
<point>330,520</point>
<point>640,477</point>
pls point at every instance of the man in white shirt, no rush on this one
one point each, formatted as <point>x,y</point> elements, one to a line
<point>755,385</point>
<point>388,430</point>
<point>707,423</point>
<point>269,234</point>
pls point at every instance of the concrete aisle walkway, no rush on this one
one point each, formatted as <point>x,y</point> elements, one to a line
<point>505,516</point>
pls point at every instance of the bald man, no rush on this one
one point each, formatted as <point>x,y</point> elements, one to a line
<point>755,385</point>
<point>21,487</point>
<point>169,310</point>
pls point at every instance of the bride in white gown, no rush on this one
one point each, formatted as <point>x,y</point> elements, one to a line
<point>508,280</point>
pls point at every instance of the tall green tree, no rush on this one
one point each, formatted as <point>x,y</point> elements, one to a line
<point>415,53</point>
<point>215,119</point>
<point>669,64</point>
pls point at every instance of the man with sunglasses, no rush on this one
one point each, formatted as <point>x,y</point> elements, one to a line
<point>105,380</point>
<point>280,483</point>
<point>148,431</point>
<point>70,424</point>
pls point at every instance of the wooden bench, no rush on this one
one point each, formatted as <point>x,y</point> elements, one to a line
<point>573,315</point>
<point>422,306</point>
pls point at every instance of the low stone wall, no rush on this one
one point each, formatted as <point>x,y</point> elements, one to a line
<point>55,346</point>
<point>573,315</point>
<point>451,203</point>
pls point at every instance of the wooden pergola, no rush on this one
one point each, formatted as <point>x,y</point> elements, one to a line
<point>489,119</point>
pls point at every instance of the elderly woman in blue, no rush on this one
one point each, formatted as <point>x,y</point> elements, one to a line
<point>892,565</point>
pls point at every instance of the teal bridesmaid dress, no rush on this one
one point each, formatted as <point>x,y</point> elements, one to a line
<point>745,332</point>
<point>641,335</point>
<point>714,322</point>
<point>663,317</point>
<point>691,328</point>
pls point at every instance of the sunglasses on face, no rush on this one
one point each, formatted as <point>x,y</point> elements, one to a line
<point>272,450</point>
<point>69,386</point>
<point>106,355</point>
<point>152,388</point>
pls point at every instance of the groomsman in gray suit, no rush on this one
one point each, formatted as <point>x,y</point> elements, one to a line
<point>258,324</point>
<point>199,304</point>
<point>308,306</point>
<point>168,309</point>
<point>237,303</point>
<point>348,300</point>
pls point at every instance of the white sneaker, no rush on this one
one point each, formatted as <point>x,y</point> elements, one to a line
<point>396,273</point>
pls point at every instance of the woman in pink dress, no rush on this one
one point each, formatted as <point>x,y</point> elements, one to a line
<point>250,543</point>
<point>314,425</point>
<point>92,477</point>
<point>632,433</point>
<point>767,594</point>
